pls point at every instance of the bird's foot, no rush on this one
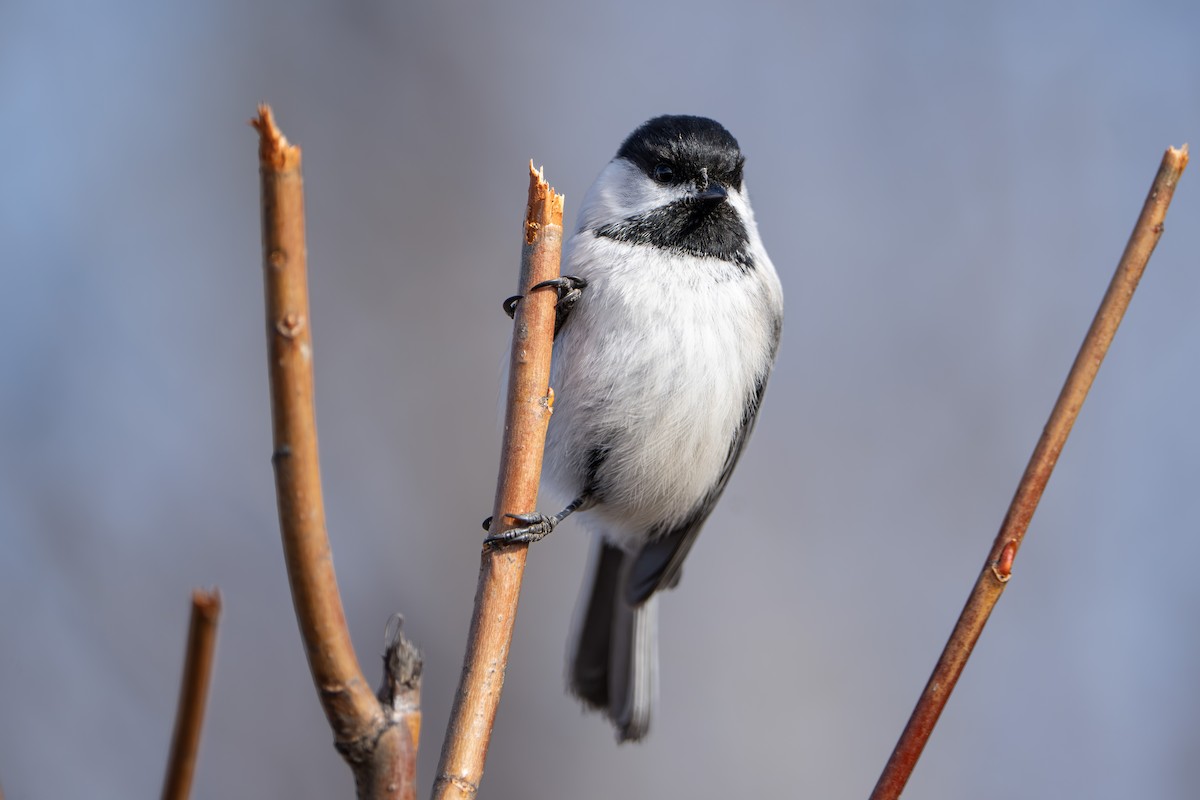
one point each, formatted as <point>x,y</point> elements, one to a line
<point>568,287</point>
<point>533,527</point>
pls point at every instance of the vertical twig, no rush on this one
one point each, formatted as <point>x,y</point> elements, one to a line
<point>349,703</point>
<point>998,568</point>
<point>530,402</point>
<point>373,739</point>
<point>193,694</point>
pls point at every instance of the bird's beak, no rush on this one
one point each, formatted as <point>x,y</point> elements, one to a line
<point>713,193</point>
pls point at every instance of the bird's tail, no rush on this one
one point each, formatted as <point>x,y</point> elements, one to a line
<point>613,662</point>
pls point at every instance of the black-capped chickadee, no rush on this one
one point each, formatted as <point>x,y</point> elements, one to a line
<point>669,318</point>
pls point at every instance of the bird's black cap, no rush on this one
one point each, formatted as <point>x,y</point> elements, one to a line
<point>686,144</point>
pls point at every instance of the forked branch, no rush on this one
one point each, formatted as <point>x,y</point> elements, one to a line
<point>378,741</point>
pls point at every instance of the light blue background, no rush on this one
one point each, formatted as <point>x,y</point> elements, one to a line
<point>945,188</point>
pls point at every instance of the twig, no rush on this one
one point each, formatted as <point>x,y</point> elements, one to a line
<point>402,668</point>
<point>378,749</point>
<point>349,703</point>
<point>193,694</point>
<point>530,402</point>
<point>998,568</point>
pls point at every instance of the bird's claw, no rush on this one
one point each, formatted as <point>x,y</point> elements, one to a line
<point>568,287</point>
<point>533,527</point>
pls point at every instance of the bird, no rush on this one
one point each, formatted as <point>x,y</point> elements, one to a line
<point>668,320</point>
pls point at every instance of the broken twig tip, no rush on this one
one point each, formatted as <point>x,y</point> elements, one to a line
<point>545,206</point>
<point>1180,155</point>
<point>207,601</point>
<point>274,151</point>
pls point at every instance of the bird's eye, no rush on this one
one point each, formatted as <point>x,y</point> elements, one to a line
<point>663,173</point>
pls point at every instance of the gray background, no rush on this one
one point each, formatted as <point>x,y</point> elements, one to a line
<point>945,189</point>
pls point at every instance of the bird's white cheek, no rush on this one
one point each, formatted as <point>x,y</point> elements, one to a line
<point>623,191</point>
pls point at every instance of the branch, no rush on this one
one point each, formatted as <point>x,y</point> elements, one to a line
<point>368,735</point>
<point>530,402</point>
<point>402,668</point>
<point>998,568</point>
<point>193,693</point>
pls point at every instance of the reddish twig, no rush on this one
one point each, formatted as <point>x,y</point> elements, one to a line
<point>530,402</point>
<point>378,741</point>
<point>193,694</point>
<point>998,568</point>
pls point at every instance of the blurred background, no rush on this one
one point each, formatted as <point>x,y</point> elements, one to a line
<point>945,189</point>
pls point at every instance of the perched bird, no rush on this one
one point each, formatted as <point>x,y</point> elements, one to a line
<point>669,316</point>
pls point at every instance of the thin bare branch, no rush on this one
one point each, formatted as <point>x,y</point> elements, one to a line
<point>365,732</point>
<point>193,694</point>
<point>349,703</point>
<point>530,402</point>
<point>998,568</point>
<point>402,668</point>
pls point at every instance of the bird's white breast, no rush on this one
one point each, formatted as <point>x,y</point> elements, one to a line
<point>657,361</point>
